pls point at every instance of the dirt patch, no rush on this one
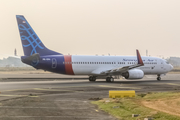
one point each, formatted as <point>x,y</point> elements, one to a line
<point>170,106</point>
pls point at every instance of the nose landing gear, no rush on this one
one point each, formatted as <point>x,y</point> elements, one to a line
<point>158,78</point>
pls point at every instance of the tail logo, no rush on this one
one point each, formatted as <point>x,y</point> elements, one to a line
<point>28,36</point>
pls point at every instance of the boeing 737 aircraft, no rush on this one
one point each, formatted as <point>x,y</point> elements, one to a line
<point>130,67</point>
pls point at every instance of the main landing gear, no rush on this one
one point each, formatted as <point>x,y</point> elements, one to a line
<point>109,79</point>
<point>92,78</point>
<point>158,78</point>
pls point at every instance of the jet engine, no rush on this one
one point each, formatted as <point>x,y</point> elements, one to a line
<point>133,74</point>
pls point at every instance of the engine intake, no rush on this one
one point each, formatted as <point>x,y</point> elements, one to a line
<point>133,74</point>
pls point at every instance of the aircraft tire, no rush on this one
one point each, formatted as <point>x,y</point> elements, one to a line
<point>93,78</point>
<point>158,78</point>
<point>107,79</point>
<point>90,78</point>
<point>111,79</point>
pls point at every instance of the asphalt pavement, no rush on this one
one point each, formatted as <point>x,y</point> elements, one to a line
<point>52,97</point>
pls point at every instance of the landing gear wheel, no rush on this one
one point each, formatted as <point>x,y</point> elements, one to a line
<point>158,78</point>
<point>109,79</point>
<point>92,78</point>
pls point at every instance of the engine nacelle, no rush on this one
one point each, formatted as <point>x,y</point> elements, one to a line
<point>134,74</point>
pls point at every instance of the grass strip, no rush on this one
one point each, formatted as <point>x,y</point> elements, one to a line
<point>123,108</point>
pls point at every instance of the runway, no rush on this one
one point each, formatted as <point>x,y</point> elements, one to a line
<point>34,99</point>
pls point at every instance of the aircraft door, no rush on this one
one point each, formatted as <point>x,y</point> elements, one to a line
<point>162,65</point>
<point>54,63</point>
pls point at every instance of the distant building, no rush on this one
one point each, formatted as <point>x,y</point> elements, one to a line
<point>175,61</point>
<point>12,62</point>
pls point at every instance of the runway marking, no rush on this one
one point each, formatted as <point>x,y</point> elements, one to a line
<point>50,89</point>
<point>12,95</point>
<point>31,89</point>
<point>173,84</point>
<point>118,87</point>
<point>58,90</point>
<point>17,89</point>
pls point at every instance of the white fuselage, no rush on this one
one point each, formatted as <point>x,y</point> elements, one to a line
<point>94,65</point>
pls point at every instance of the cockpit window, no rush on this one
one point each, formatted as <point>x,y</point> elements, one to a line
<point>167,62</point>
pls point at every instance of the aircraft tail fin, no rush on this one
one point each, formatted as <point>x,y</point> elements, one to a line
<point>139,58</point>
<point>30,41</point>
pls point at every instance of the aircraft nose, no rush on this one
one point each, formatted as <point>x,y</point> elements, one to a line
<point>171,67</point>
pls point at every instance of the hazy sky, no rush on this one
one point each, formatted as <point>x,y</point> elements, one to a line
<point>89,27</point>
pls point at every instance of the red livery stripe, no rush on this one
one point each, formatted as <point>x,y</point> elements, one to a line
<point>68,65</point>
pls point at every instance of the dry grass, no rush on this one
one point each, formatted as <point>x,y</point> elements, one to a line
<point>160,106</point>
<point>167,105</point>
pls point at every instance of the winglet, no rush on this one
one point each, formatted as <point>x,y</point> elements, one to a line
<point>139,58</point>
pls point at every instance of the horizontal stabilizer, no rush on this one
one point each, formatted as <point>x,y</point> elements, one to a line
<point>32,60</point>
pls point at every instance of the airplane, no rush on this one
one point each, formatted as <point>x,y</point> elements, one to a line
<point>37,55</point>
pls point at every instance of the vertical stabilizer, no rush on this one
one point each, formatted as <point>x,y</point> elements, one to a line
<point>30,41</point>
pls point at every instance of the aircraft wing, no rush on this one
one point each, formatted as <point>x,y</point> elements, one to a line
<point>118,71</point>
